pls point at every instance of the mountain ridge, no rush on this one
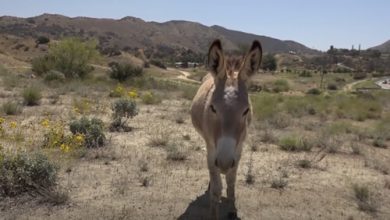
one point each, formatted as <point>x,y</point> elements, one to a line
<point>133,32</point>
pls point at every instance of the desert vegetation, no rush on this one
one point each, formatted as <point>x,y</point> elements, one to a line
<point>108,138</point>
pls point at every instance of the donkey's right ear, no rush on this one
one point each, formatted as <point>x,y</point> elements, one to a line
<point>216,59</point>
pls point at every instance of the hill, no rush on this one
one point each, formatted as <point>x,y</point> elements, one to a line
<point>384,48</point>
<point>130,33</point>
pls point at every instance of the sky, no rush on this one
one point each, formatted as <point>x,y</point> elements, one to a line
<point>314,23</point>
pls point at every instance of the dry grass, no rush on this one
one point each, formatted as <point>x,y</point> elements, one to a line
<point>129,179</point>
<point>365,199</point>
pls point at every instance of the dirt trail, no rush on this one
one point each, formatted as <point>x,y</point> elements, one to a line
<point>349,87</point>
<point>184,75</point>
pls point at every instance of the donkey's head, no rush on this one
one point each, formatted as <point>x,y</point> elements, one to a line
<point>229,109</point>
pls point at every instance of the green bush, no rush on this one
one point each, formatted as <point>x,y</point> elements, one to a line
<point>54,75</point>
<point>123,109</point>
<point>149,98</point>
<point>380,143</point>
<point>23,172</point>
<point>294,143</point>
<point>32,96</point>
<point>11,108</point>
<point>359,75</point>
<point>42,65</point>
<point>126,108</point>
<point>280,85</point>
<point>313,91</point>
<point>42,40</point>
<point>70,56</point>
<point>158,63</point>
<point>269,62</point>
<point>332,86</point>
<point>92,129</point>
<point>122,72</point>
<point>305,73</point>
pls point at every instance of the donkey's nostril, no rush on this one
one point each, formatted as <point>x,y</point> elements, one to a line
<point>233,163</point>
<point>216,162</point>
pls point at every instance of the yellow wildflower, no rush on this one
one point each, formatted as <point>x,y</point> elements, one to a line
<point>1,120</point>
<point>65,148</point>
<point>13,124</point>
<point>79,138</point>
<point>132,94</point>
<point>45,123</point>
<point>77,110</point>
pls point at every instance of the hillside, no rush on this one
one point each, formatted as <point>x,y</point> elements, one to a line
<point>384,48</point>
<point>130,33</point>
<point>269,44</point>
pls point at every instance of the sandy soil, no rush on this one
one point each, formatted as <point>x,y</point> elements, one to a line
<point>109,183</point>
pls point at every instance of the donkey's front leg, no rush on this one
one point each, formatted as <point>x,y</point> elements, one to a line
<point>215,191</point>
<point>230,191</point>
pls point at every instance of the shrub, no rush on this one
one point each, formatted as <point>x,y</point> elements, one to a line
<point>332,86</point>
<point>279,183</point>
<point>56,138</point>
<point>158,63</point>
<point>123,108</point>
<point>313,91</point>
<point>269,62</point>
<point>304,163</point>
<point>32,96</point>
<point>119,91</point>
<point>281,85</point>
<point>294,143</point>
<point>160,137</point>
<point>305,73</point>
<point>92,129</point>
<point>379,143</point>
<point>122,72</point>
<point>359,75</point>
<point>24,172</point>
<point>54,75</point>
<point>81,106</point>
<point>149,98</point>
<point>42,40</point>
<point>42,65</point>
<point>364,198</point>
<point>174,154</point>
<point>70,56</point>
<point>11,108</point>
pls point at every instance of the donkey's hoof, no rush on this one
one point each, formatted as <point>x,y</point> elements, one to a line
<point>232,215</point>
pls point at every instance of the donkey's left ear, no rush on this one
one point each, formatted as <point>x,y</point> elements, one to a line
<point>252,61</point>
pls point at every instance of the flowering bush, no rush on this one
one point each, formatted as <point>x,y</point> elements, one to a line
<point>92,129</point>
<point>57,139</point>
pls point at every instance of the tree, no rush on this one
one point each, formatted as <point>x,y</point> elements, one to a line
<point>269,62</point>
<point>70,56</point>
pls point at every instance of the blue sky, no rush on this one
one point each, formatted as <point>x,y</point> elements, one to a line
<point>315,23</point>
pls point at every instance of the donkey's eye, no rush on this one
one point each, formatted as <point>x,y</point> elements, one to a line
<point>246,112</point>
<point>213,109</point>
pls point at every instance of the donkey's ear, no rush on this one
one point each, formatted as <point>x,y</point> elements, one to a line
<point>252,61</point>
<point>216,59</point>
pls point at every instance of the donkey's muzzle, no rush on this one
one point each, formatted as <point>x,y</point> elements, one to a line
<point>225,164</point>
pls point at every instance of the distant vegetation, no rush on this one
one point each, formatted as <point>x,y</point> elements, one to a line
<point>123,71</point>
<point>70,56</point>
<point>269,62</point>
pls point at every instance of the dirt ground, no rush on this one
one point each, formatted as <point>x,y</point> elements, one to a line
<point>130,179</point>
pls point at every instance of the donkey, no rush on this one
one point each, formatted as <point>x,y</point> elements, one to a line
<point>221,112</point>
